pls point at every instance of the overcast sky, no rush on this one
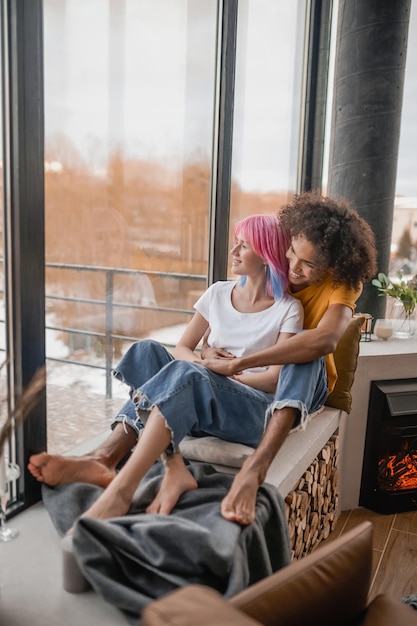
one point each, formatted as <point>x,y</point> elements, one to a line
<point>144,79</point>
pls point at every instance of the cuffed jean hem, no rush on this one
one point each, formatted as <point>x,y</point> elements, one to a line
<point>305,416</point>
<point>136,424</point>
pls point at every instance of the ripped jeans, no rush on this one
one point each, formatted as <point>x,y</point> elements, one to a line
<point>196,401</point>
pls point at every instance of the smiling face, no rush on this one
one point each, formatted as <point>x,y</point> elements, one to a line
<point>303,270</point>
<point>245,261</point>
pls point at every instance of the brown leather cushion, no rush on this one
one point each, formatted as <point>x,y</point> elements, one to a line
<point>194,605</point>
<point>346,358</point>
<point>328,587</point>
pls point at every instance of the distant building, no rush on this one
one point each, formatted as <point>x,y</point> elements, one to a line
<point>405,218</point>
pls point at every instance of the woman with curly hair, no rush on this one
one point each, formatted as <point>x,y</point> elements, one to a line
<point>332,253</point>
<point>343,241</point>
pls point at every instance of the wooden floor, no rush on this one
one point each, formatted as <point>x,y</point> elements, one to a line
<point>395,549</point>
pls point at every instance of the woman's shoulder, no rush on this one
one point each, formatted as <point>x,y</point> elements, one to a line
<point>290,300</point>
<point>223,286</point>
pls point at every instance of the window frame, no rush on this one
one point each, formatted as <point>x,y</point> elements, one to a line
<point>23,205</point>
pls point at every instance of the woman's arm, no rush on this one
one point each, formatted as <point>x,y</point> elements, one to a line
<point>208,352</point>
<point>266,380</point>
<point>189,340</point>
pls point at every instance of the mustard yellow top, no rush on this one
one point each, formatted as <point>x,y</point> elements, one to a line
<point>316,299</point>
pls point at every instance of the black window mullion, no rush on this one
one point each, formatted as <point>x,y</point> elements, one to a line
<point>222,140</point>
<point>316,80</point>
<point>23,201</point>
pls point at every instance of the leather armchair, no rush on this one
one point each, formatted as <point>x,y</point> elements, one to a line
<point>329,587</point>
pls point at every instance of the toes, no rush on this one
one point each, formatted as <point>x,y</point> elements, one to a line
<point>244,518</point>
<point>165,510</point>
<point>39,459</point>
<point>235,513</point>
<point>228,513</point>
<point>159,508</point>
<point>36,472</point>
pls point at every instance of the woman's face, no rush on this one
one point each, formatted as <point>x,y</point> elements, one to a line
<point>245,261</point>
<point>303,269</point>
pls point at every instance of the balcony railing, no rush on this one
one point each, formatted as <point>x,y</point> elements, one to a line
<point>108,308</point>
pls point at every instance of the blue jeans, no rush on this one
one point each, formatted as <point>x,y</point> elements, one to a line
<point>196,401</point>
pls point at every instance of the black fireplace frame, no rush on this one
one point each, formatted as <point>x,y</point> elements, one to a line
<point>393,402</point>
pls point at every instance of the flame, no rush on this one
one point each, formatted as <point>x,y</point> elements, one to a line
<point>398,471</point>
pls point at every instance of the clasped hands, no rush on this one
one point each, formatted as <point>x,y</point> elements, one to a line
<point>220,361</point>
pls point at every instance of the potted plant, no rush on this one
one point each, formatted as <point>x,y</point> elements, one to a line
<point>404,294</point>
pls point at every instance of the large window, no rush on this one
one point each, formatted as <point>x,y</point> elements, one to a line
<point>128,135</point>
<point>165,120</point>
<point>129,116</point>
<point>3,355</point>
<point>269,64</point>
<point>2,285</point>
<point>268,106</point>
<point>404,231</point>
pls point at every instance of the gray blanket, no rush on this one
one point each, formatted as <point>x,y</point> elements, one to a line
<point>134,559</point>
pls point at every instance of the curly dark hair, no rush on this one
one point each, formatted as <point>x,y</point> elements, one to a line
<point>344,240</point>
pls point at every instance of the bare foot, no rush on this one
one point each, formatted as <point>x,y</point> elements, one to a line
<point>240,503</point>
<point>54,469</point>
<point>176,481</point>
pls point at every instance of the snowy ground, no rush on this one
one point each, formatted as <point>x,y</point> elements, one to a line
<point>89,378</point>
<point>77,408</point>
<point>80,377</point>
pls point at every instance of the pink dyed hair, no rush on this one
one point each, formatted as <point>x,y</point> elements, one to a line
<point>270,241</point>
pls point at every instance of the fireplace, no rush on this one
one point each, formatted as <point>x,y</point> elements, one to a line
<point>389,471</point>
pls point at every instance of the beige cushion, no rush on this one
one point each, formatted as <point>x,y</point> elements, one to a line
<point>214,450</point>
<point>346,358</point>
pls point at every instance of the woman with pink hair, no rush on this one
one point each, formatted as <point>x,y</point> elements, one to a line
<point>174,395</point>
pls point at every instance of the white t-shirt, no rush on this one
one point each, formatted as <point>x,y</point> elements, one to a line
<point>245,333</point>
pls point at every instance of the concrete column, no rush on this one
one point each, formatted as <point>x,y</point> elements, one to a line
<point>366,118</point>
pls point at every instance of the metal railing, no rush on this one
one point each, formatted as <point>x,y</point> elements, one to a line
<point>108,305</point>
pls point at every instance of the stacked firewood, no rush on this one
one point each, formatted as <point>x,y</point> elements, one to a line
<point>312,505</point>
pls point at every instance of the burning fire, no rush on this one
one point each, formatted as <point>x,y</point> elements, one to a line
<point>398,471</point>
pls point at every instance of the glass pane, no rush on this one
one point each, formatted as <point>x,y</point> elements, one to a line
<point>270,42</point>
<point>3,384</point>
<point>3,379</point>
<point>404,231</point>
<point>8,489</point>
<point>128,151</point>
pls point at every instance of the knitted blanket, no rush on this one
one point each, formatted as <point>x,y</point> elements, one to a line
<point>134,559</point>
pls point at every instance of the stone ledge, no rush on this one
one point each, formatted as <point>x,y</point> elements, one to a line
<point>301,448</point>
